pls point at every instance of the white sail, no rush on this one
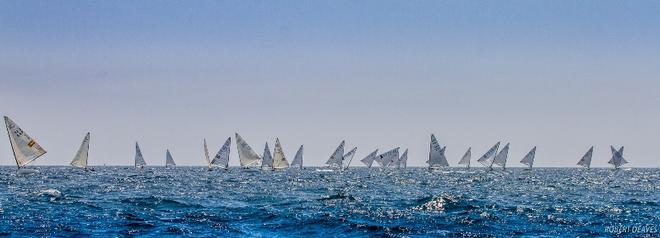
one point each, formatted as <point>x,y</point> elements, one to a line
<point>348,157</point>
<point>169,161</point>
<point>466,157</point>
<point>617,158</point>
<point>369,159</point>
<point>500,158</point>
<point>206,154</point>
<point>298,159</point>
<point>437,156</point>
<point>403,161</point>
<point>389,157</point>
<point>24,147</point>
<point>335,158</point>
<point>80,160</point>
<point>139,160</point>
<point>586,158</point>
<point>267,162</point>
<point>486,159</point>
<point>221,158</point>
<point>529,158</point>
<point>279,160</point>
<point>246,155</point>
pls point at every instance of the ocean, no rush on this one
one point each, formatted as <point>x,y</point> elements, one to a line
<point>359,202</point>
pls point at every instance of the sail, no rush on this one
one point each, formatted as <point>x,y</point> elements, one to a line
<point>348,157</point>
<point>169,161</point>
<point>390,156</point>
<point>139,160</point>
<point>586,158</point>
<point>437,156</point>
<point>529,158</point>
<point>206,154</point>
<point>335,158</point>
<point>298,159</point>
<point>267,162</point>
<point>80,160</point>
<point>369,159</point>
<point>488,156</point>
<point>466,157</point>
<point>24,147</point>
<point>279,160</point>
<point>500,158</point>
<point>221,158</point>
<point>246,155</point>
<point>617,158</point>
<point>403,161</point>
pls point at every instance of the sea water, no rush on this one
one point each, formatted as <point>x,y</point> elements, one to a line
<point>416,202</point>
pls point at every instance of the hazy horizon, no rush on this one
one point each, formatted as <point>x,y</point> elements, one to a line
<point>560,75</point>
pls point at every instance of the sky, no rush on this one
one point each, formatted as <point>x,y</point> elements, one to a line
<point>560,75</point>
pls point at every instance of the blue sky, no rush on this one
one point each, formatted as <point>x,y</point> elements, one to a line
<point>562,75</point>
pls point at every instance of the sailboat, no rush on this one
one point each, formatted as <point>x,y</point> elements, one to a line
<point>24,147</point>
<point>335,159</point>
<point>298,159</point>
<point>206,155</point>
<point>466,158</point>
<point>403,161</point>
<point>500,158</point>
<point>139,160</point>
<point>437,158</point>
<point>80,159</point>
<point>279,160</point>
<point>586,159</point>
<point>221,158</point>
<point>347,158</point>
<point>267,162</point>
<point>529,158</point>
<point>370,158</point>
<point>617,158</point>
<point>388,158</point>
<point>169,161</point>
<point>246,155</point>
<point>486,159</point>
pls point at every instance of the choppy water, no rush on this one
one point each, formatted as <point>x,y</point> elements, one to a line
<point>117,201</point>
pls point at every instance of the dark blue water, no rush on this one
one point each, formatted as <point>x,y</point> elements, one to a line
<point>190,201</point>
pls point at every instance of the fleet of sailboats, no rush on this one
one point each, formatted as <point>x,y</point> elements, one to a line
<point>25,150</point>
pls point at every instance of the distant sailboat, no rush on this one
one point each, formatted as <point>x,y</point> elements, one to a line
<point>206,154</point>
<point>279,160</point>
<point>437,158</point>
<point>80,159</point>
<point>139,160</point>
<point>348,157</point>
<point>298,159</point>
<point>267,162</point>
<point>529,158</point>
<point>586,158</point>
<point>221,158</point>
<point>466,158</point>
<point>370,158</point>
<point>487,158</point>
<point>403,160</point>
<point>617,158</point>
<point>24,147</point>
<point>169,161</point>
<point>336,157</point>
<point>388,158</point>
<point>246,155</point>
<point>500,158</point>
